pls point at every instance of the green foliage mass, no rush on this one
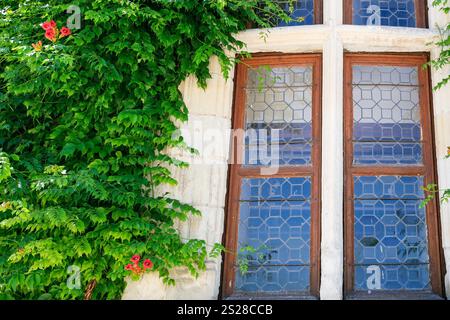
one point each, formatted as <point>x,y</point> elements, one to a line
<point>84,125</point>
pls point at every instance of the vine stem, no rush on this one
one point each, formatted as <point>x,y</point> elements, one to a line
<point>90,289</point>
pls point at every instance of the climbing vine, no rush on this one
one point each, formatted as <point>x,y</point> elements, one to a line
<point>86,116</point>
<point>444,57</point>
<point>441,62</point>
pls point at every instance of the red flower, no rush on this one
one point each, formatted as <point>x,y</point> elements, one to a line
<point>49,25</point>
<point>135,258</point>
<point>129,267</point>
<point>65,32</point>
<point>50,34</point>
<point>148,264</point>
<point>46,25</point>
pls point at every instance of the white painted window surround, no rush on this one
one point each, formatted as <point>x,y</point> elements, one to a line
<point>205,185</point>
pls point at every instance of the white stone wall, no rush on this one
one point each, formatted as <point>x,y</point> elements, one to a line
<point>441,104</point>
<point>204,185</point>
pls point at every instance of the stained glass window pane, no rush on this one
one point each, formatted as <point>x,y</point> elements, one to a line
<point>275,221</point>
<point>390,233</point>
<point>386,114</point>
<point>397,13</point>
<point>279,116</point>
<point>302,13</point>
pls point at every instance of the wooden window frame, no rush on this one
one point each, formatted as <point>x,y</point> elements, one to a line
<point>237,172</point>
<point>427,169</point>
<point>318,12</point>
<point>421,8</point>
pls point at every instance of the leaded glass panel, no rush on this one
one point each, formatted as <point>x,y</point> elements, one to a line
<point>390,233</point>
<point>397,13</point>
<point>386,114</point>
<point>275,221</point>
<point>279,116</point>
<point>302,12</point>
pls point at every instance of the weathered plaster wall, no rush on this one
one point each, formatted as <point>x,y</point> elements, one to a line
<point>204,185</point>
<point>441,104</point>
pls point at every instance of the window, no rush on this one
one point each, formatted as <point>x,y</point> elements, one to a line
<point>396,13</point>
<point>391,242</point>
<point>273,223</point>
<point>309,11</point>
<point>304,12</point>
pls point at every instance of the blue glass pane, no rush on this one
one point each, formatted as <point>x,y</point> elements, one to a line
<point>303,13</point>
<point>397,13</point>
<point>282,143</point>
<point>387,153</point>
<point>278,116</point>
<point>390,232</point>
<point>279,133</point>
<point>278,230</point>
<point>405,277</point>
<point>275,189</point>
<point>389,132</point>
<point>275,280</point>
<point>386,114</point>
<point>389,187</point>
<point>275,221</point>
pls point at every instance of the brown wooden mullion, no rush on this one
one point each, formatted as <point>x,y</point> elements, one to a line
<point>318,11</point>
<point>315,233</point>
<point>421,13</point>
<point>432,211</point>
<point>348,179</point>
<point>282,172</point>
<point>385,170</point>
<point>348,12</point>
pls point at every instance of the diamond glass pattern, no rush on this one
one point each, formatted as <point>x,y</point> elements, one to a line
<point>390,232</point>
<point>279,116</point>
<point>302,9</point>
<point>386,114</point>
<point>275,219</point>
<point>397,13</point>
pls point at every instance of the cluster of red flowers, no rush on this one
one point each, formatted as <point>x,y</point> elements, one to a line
<point>136,268</point>
<point>52,32</point>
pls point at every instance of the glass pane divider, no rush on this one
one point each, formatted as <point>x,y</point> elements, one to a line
<point>391,264</point>
<point>393,199</point>
<point>387,85</point>
<point>280,87</point>
<point>275,200</point>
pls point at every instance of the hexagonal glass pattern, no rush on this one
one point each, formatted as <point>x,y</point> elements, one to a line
<point>279,116</point>
<point>396,13</point>
<point>386,114</point>
<point>390,233</point>
<point>301,9</point>
<point>275,220</point>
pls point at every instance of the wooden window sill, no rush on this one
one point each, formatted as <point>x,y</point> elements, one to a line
<point>393,295</point>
